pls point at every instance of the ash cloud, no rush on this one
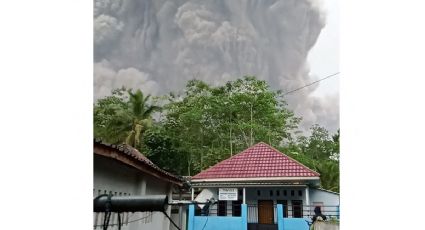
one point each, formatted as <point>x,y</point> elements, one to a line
<point>157,45</point>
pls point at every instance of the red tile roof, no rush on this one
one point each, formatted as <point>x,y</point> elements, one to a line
<point>260,160</point>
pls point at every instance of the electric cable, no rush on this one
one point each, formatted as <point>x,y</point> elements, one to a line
<point>312,83</point>
<point>119,221</point>
<point>142,218</point>
<point>206,221</point>
<point>205,224</point>
<point>175,225</point>
<point>107,216</point>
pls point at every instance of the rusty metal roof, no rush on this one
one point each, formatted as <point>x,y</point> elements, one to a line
<point>138,157</point>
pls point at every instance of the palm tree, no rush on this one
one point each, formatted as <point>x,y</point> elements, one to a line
<point>128,121</point>
<point>140,113</point>
<point>329,175</point>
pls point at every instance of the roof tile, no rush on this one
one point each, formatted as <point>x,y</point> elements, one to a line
<point>260,160</point>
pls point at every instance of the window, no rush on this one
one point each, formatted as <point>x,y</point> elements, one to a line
<point>300,193</point>
<point>222,208</point>
<point>258,193</point>
<point>277,193</point>
<point>292,193</point>
<point>271,192</point>
<point>285,193</point>
<point>297,208</point>
<point>236,208</point>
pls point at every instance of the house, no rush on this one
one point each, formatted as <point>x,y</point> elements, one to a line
<point>259,179</point>
<point>121,170</point>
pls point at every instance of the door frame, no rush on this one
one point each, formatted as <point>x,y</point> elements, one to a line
<point>267,210</point>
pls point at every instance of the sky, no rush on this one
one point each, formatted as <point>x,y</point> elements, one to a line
<point>158,45</point>
<point>324,56</point>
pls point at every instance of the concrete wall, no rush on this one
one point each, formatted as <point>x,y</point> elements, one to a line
<point>217,222</point>
<point>179,218</point>
<point>327,198</point>
<point>251,193</point>
<point>295,224</point>
<point>290,223</point>
<point>119,179</point>
<point>319,225</point>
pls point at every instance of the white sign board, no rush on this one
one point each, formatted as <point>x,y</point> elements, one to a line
<point>228,194</point>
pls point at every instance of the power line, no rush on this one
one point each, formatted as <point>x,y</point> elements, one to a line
<point>120,224</point>
<point>101,225</point>
<point>314,82</point>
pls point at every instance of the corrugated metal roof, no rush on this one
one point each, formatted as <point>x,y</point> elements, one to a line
<point>258,161</point>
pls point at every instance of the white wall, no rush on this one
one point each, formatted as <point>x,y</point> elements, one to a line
<point>251,194</point>
<point>179,218</point>
<point>122,180</point>
<point>328,199</point>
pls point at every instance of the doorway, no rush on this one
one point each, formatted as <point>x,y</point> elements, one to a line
<point>265,212</point>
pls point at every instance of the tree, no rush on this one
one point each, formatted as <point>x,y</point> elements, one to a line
<point>107,113</point>
<point>140,114</point>
<point>319,145</point>
<point>329,174</point>
<point>160,149</point>
<point>320,152</point>
<point>123,117</point>
<point>335,147</point>
<point>211,123</point>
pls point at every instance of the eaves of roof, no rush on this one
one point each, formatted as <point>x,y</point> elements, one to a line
<point>132,157</point>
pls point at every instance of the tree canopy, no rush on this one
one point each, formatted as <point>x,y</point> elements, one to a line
<point>122,118</point>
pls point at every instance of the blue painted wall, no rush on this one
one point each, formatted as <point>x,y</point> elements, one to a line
<point>240,223</point>
<point>217,222</point>
<point>295,224</point>
<point>280,217</point>
<point>290,223</point>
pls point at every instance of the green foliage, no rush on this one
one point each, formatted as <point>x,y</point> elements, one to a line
<point>161,150</point>
<point>110,117</point>
<point>319,152</point>
<point>319,145</point>
<point>212,123</point>
<point>123,117</point>
<point>329,174</point>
